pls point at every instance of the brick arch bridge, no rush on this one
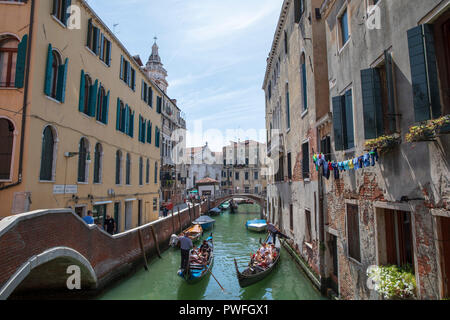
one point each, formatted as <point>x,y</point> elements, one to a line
<point>258,199</point>
<point>38,247</point>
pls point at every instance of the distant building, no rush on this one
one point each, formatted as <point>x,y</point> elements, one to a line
<point>202,163</point>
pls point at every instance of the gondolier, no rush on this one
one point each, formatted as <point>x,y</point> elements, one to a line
<point>274,231</point>
<point>186,246</point>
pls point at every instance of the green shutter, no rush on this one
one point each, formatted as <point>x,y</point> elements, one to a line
<point>158,104</point>
<point>126,119</point>
<point>349,138</point>
<point>67,13</point>
<point>337,124</point>
<point>102,45</point>
<point>372,106</point>
<point>142,89</point>
<point>140,128</point>
<point>121,68</point>
<point>288,111</point>
<point>93,98</point>
<point>424,76</point>
<point>118,115</point>
<point>105,109</point>
<point>89,34</point>
<point>21,60</point>
<point>55,6</point>
<point>109,53</point>
<point>82,97</point>
<point>144,126</point>
<point>62,79</point>
<point>150,97</point>
<point>48,71</point>
<point>391,92</point>
<point>131,132</point>
<point>149,132</point>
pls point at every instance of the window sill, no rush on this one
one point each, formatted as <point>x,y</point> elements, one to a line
<point>47,181</point>
<point>53,99</point>
<point>8,88</point>
<point>59,22</point>
<point>345,45</point>
<point>8,180</point>
<point>82,183</point>
<point>304,113</point>
<point>9,2</point>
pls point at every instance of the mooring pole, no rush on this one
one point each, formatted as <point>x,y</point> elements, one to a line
<point>141,243</point>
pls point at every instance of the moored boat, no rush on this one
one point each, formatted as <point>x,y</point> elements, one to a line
<point>205,222</point>
<point>214,212</point>
<point>256,225</point>
<point>197,271</point>
<point>194,233</point>
<point>224,206</point>
<point>253,274</point>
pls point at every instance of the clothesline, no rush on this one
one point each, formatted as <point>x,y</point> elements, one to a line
<point>361,162</point>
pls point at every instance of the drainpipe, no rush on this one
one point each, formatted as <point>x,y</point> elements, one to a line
<point>25,101</point>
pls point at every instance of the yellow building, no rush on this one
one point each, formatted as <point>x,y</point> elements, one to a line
<point>79,120</point>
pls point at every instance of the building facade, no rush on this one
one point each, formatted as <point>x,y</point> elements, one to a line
<point>79,127</point>
<point>296,88</point>
<point>242,168</point>
<point>371,81</point>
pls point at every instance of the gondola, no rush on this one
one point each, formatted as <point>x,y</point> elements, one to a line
<point>252,275</point>
<point>197,272</point>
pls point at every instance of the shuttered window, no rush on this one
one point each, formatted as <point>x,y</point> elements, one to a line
<point>158,104</point>
<point>60,10</point>
<point>9,62</point>
<point>147,175</point>
<point>343,121</point>
<point>149,132</point>
<point>118,167</point>
<point>48,145</point>
<point>354,250</point>
<point>141,169</point>
<point>299,8</point>
<point>424,75</point>
<point>305,160</point>
<point>288,109</point>
<point>55,75</point>
<point>97,162</point>
<point>20,64</point>
<point>128,170</point>
<point>82,160</point>
<point>6,148</point>
<point>304,83</point>
<point>289,163</point>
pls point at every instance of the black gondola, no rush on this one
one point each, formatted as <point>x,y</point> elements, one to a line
<point>252,275</point>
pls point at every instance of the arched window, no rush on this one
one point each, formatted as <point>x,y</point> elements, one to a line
<point>6,148</point>
<point>87,86</point>
<point>128,169</point>
<point>304,82</point>
<point>119,167</point>
<point>8,59</point>
<point>48,154</point>
<point>141,173</point>
<point>98,157</point>
<point>55,68</point>
<point>83,154</point>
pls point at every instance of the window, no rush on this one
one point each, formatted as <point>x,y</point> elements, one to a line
<point>299,7</point>
<point>236,175</point>
<point>8,58</point>
<point>289,164</point>
<point>150,97</point>
<point>124,118</point>
<point>308,235</point>
<point>98,155</point>
<point>246,175</point>
<point>305,162</point>
<point>127,73</point>
<point>397,241</point>
<point>55,75</point>
<point>155,204</point>
<point>304,82</point>
<point>256,175</point>
<point>325,147</point>
<point>378,99</point>
<point>142,129</point>
<point>128,170</point>
<point>6,148</point>
<point>158,104</point>
<point>156,173</point>
<point>353,232</point>
<point>286,50</point>
<point>118,167</point>
<point>344,30</point>
<point>86,85</point>
<point>102,105</point>
<point>424,72</point>
<point>83,157</point>
<point>48,154</point>
<point>99,214</point>
<point>149,132</point>
<point>60,10</point>
<point>288,111</point>
<point>343,122</point>
<point>141,171</point>
<point>157,137</point>
<point>147,174</point>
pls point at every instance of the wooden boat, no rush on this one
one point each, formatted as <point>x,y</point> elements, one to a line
<point>214,212</point>
<point>205,222</point>
<point>196,272</point>
<point>194,233</point>
<point>252,275</point>
<point>225,206</point>
<point>256,225</point>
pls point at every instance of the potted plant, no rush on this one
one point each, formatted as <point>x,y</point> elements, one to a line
<point>393,282</point>
<point>429,130</point>
<point>384,143</point>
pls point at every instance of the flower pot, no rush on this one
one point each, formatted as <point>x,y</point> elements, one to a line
<point>445,129</point>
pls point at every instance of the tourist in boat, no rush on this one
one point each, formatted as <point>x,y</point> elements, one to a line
<point>185,246</point>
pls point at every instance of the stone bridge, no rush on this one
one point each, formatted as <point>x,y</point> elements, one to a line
<point>258,199</point>
<point>37,248</point>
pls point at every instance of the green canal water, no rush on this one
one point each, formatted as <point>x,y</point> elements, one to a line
<point>231,240</point>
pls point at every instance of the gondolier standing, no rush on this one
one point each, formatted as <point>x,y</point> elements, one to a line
<point>186,246</point>
<point>274,232</point>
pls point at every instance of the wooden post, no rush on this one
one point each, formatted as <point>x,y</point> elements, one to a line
<point>179,219</point>
<point>141,243</point>
<point>173,223</point>
<point>156,241</point>
<point>190,217</point>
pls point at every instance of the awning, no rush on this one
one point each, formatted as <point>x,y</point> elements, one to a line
<point>101,202</point>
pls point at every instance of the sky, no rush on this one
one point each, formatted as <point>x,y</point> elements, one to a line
<point>214,52</point>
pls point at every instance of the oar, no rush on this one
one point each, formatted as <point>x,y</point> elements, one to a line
<point>216,280</point>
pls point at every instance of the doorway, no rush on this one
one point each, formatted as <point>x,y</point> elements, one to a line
<point>128,215</point>
<point>444,247</point>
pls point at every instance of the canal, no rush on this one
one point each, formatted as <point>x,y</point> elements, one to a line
<point>231,239</point>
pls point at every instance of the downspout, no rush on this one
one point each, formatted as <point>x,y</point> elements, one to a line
<point>25,102</point>
<point>322,246</point>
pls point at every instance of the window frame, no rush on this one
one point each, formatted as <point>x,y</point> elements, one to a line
<point>13,144</point>
<point>10,67</point>
<point>54,155</point>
